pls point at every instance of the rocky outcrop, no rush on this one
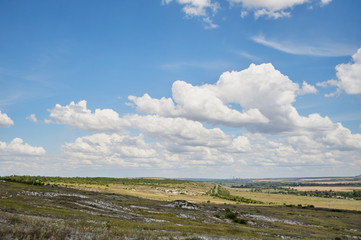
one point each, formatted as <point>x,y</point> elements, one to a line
<point>183,204</point>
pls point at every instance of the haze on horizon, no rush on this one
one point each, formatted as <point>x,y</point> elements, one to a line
<point>180,89</point>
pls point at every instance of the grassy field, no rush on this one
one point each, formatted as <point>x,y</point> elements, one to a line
<point>197,192</point>
<point>328,188</point>
<point>152,209</point>
<point>281,199</point>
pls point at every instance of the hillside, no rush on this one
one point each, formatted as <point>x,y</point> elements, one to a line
<point>156,208</point>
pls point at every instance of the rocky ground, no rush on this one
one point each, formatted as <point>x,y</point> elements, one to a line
<point>49,212</point>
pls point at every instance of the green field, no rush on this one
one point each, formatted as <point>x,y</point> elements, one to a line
<point>106,208</point>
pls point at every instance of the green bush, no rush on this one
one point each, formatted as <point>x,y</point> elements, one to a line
<point>233,216</point>
<point>225,194</point>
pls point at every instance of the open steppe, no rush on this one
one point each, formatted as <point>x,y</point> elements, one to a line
<point>101,208</point>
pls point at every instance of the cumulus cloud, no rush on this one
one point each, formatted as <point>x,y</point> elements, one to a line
<point>341,138</point>
<point>172,132</point>
<point>188,149</point>
<point>196,103</point>
<point>335,147</point>
<point>348,75</point>
<point>241,144</point>
<point>306,89</point>
<point>178,142</point>
<point>5,120</point>
<point>111,149</point>
<point>77,115</point>
<point>178,131</point>
<point>303,140</point>
<point>263,93</point>
<point>17,147</point>
<point>338,138</point>
<point>175,136</point>
<point>32,118</point>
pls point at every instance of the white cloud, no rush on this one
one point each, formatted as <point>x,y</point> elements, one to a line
<point>263,93</point>
<point>273,9</point>
<point>349,74</point>
<point>241,144</point>
<point>178,131</point>
<point>302,141</point>
<point>176,137</point>
<point>196,7</point>
<point>111,149</point>
<point>77,115</point>
<point>338,138</point>
<point>209,24</point>
<point>306,89</point>
<point>271,14</point>
<point>244,14</point>
<point>47,121</point>
<point>349,77</point>
<point>32,118</point>
<point>325,2</point>
<point>334,148</point>
<point>199,8</point>
<point>17,147</point>
<point>274,5</point>
<point>5,120</point>
<point>324,49</point>
<point>196,103</point>
<point>172,134</point>
<point>341,138</point>
<point>180,144</point>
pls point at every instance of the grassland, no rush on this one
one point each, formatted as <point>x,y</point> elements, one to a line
<point>283,199</point>
<point>328,188</point>
<point>94,208</point>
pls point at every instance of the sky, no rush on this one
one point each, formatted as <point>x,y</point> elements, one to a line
<point>180,88</point>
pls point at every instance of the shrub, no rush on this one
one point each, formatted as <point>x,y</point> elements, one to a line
<point>233,216</point>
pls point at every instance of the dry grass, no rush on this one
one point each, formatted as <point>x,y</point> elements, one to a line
<point>313,180</point>
<point>327,188</point>
<point>320,179</point>
<point>337,182</point>
<point>193,192</point>
<point>113,212</point>
<point>280,199</point>
<point>196,192</point>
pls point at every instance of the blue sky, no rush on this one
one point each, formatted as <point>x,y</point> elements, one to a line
<point>180,88</point>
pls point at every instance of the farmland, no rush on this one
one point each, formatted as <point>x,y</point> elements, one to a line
<point>148,208</point>
<point>323,188</point>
